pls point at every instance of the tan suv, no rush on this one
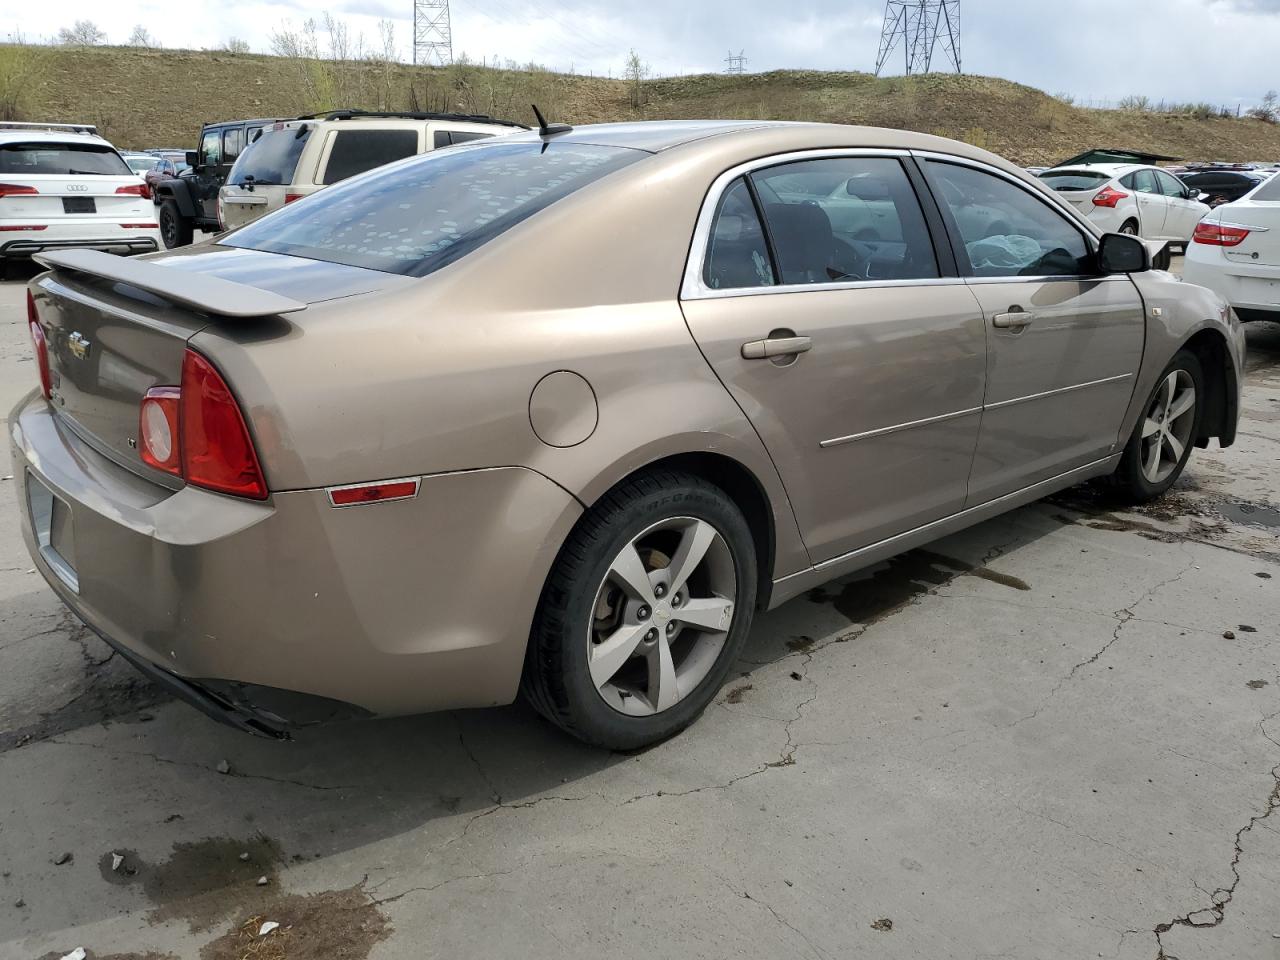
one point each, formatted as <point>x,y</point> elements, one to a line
<point>290,160</point>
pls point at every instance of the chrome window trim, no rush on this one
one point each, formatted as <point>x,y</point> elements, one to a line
<point>693,286</point>
<point>1065,278</point>
<point>1053,393</point>
<point>898,428</point>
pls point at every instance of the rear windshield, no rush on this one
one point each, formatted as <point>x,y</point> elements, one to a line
<point>1269,192</point>
<point>61,159</point>
<point>1064,181</point>
<point>272,158</point>
<point>423,213</point>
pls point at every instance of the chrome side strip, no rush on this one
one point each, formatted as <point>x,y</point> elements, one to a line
<point>1060,390</point>
<point>886,431</point>
<point>889,541</point>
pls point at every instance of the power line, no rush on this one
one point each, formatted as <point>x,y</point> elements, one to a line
<point>736,63</point>
<point>919,26</point>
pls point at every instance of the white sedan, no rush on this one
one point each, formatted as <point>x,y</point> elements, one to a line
<point>1130,198</point>
<point>1236,253</point>
<point>61,188</point>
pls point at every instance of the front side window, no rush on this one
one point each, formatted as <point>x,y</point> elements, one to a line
<point>357,151</point>
<point>842,219</point>
<point>211,148</point>
<point>421,215</point>
<point>738,254</point>
<point>61,159</point>
<point>1007,232</point>
<point>1170,186</point>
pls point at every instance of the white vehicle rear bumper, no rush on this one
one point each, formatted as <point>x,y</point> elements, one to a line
<point>22,238</point>
<point>1244,286</point>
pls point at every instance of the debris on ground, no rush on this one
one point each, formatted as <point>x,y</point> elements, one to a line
<point>796,676</point>
<point>263,881</point>
<point>224,767</point>
<point>1228,635</point>
<point>116,861</point>
<point>334,925</point>
<point>62,858</point>
<point>1256,684</point>
<point>244,857</point>
<point>76,954</point>
<point>884,925</point>
<point>19,903</point>
<point>267,927</point>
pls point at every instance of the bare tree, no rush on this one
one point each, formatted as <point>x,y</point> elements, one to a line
<point>1269,109</point>
<point>19,66</point>
<point>236,45</point>
<point>141,37</point>
<point>82,33</point>
<point>636,72</point>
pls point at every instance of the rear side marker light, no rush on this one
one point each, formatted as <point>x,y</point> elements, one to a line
<point>1220,234</point>
<point>1109,197</point>
<point>41,345</point>
<point>380,492</point>
<point>290,197</point>
<point>16,190</point>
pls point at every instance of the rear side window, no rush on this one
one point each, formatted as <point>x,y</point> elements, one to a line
<point>845,219</point>
<point>231,143</point>
<point>61,159</point>
<point>1144,181</point>
<point>417,217</point>
<point>1065,181</point>
<point>1005,230</point>
<point>357,151</point>
<point>1270,191</point>
<point>738,254</point>
<point>447,138</point>
<point>272,158</point>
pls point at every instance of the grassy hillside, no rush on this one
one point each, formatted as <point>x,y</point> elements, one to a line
<point>160,97</point>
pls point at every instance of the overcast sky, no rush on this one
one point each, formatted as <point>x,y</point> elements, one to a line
<point>1223,51</point>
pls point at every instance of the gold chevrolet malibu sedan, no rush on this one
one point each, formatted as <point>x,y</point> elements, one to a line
<point>555,414</point>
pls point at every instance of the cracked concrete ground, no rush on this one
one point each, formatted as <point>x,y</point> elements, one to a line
<point>1055,735</point>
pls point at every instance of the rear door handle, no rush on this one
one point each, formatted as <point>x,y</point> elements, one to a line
<point>1015,320</point>
<point>780,347</point>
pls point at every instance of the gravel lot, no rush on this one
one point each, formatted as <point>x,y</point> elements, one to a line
<point>1056,735</point>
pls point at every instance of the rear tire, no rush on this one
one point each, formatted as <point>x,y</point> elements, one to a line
<point>175,229</point>
<point>1149,466</point>
<point>1162,260</point>
<point>599,663</point>
<point>1129,228</point>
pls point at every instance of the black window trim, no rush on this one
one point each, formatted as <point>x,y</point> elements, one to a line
<point>1051,202</point>
<point>694,285</point>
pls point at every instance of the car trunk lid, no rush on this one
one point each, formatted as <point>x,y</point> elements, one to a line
<point>42,198</point>
<point>1261,246</point>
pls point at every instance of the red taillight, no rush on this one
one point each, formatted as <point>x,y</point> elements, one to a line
<point>140,226</point>
<point>217,451</point>
<point>196,432</point>
<point>136,190</point>
<point>16,190</point>
<point>158,432</point>
<point>40,344</point>
<point>1109,197</point>
<point>290,197</point>
<point>373,492</point>
<point>27,226</point>
<point>1219,234</point>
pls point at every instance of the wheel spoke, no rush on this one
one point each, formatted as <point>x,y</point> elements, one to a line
<point>1149,428</point>
<point>694,543</point>
<point>629,573</point>
<point>1183,403</point>
<point>608,657</point>
<point>1151,464</point>
<point>711,614</point>
<point>664,688</point>
<point>1175,446</point>
<point>1170,385</point>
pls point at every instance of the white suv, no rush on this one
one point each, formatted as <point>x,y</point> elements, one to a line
<point>290,160</point>
<point>61,187</point>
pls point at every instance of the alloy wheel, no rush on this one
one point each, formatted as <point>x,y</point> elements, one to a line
<point>661,616</point>
<point>1166,430</point>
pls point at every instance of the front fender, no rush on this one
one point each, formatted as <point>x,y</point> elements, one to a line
<point>180,192</point>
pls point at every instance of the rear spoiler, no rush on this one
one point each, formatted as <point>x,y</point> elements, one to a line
<point>196,290</point>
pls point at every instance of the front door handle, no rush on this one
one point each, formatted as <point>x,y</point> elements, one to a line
<point>776,347</point>
<point>1014,320</point>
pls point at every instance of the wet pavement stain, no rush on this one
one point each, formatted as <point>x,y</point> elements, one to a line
<point>737,693</point>
<point>1256,684</point>
<point>800,644</point>
<point>206,881</point>
<point>1004,579</point>
<point>1252,514</point>
<point>334,925</point>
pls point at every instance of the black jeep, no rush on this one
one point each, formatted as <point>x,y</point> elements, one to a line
<point>190,201</point>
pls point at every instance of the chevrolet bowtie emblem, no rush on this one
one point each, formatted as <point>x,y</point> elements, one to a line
<point>79,345</point>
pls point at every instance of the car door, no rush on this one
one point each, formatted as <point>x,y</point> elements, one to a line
<point>1152,206</point>
<point>845,336</point>
<point>1063,343</point>
<point>206,177</point>
<point>1183,213</point>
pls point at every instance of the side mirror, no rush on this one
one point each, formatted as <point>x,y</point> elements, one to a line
<point>193,159</point>
<point>1121,253</point>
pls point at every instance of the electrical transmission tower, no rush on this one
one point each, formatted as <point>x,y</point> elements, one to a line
<point>432,33</point>
<point>920,26</point>
<point>736,63</point>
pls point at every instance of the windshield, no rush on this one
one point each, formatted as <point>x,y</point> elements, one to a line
<point>61,159</point>
<point>272,158</point>
<point>142,164</point>
<point>423,213</point>
<point>1064,181</point>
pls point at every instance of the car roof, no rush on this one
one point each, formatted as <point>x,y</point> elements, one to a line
<point>1112,169</point>
<point>52,136</point>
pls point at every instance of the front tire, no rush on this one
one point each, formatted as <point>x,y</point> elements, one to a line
<point>1160,446</point>
<point>644,612</point>
<point>175,229</point>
